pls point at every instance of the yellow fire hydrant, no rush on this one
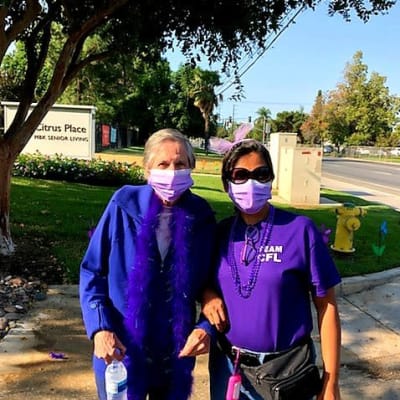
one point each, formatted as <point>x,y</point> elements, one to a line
<point>347,222</point>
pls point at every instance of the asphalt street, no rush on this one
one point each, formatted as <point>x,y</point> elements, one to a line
<point>367,193</point>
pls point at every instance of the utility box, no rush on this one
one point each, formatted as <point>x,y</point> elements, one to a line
<point>299,171</point>
<point>277,141</point>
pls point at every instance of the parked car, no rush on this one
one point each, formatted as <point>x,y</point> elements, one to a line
<point>395,152</point>
<point>328,149</point>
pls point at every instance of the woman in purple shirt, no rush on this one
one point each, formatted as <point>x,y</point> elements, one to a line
<point>270,264</point>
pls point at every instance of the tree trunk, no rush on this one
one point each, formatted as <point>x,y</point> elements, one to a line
<point>6,164</point>
<point>206,133</point>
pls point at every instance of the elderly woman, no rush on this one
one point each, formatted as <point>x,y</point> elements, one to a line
<point>145,267</point>
<point>271,263</point>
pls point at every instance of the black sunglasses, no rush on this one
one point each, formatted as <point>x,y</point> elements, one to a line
<point>242,175</point>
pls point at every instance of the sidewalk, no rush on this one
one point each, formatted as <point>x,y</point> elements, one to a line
<point>369,310</point>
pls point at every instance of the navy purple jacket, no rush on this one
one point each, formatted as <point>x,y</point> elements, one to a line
<point>110,256</point>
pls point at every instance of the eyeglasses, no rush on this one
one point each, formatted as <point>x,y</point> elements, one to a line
<point>251,238</point>
<point>242,175</point>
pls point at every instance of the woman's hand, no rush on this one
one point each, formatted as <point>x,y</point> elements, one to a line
<point>329,391</point>
<point>214,310</point>
<point>108,347</point>
<point>197,343</point>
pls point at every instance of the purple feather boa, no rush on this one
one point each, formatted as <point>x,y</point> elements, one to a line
<point>144,292</point>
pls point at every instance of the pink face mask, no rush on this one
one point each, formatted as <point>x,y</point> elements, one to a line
<point>170,184</point>
<point>251,196</point>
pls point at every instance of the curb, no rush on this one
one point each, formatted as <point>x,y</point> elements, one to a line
<point>356,284</point>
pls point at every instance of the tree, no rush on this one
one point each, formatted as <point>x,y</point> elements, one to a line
<point>202,90</point>
<point>131,28</point>
<point>314,128</point>
<point>12,74</point>
<point>381,110</point>
<point>128,91</point>
<point>184,114</point>
<point>335,117</point>
<point>394,139</point>
<point>366,108</point>
<point>290,121</point>
<point>260,124</point>
<point>132,93</point>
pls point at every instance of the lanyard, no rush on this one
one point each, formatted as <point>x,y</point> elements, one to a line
<point>236,362</point>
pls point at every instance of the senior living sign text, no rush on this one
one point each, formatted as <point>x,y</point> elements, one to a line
<point>66,130</point>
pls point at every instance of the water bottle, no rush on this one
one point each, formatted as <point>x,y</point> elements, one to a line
<point>116,381</point>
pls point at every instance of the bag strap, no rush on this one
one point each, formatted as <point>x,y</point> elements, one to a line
<point>225,345</point>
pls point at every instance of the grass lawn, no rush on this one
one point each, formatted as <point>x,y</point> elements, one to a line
<point>62,214</point>
<point>205,163</point>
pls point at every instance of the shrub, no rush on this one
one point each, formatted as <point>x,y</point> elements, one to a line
<point>93,172</point>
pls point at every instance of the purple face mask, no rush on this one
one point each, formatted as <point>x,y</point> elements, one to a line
<point>251,196</point>
<point>170,184</point>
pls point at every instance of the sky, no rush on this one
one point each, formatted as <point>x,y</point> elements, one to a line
<point>311,55</point>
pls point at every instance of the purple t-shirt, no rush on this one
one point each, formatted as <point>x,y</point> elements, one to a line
<point>294,264</point>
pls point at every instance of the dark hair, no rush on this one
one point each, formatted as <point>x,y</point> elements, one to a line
<point>239,150</point>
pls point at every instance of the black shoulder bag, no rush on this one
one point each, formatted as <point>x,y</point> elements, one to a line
<point>290,375</point>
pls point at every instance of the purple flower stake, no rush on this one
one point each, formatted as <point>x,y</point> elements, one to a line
<point>91,231</point>
<point>325,232</point>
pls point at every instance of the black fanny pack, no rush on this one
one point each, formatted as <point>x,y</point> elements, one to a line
<point>289,375</point>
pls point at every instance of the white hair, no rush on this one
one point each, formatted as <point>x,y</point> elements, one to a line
<point>155,140</point>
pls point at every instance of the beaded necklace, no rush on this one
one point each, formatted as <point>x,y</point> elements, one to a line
<point>245,289</point>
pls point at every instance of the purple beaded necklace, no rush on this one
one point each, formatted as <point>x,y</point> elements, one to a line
<point>245,289</point>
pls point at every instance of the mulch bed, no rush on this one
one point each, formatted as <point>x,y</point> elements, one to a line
<point>24,278</point>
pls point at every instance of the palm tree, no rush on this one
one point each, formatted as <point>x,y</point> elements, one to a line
<point>203,94</point>
<point>264,117</point>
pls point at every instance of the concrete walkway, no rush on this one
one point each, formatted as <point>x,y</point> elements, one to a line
<point>369,311</point>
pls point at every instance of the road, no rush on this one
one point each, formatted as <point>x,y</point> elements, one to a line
<point>369,174</point>
<point>376,182</point>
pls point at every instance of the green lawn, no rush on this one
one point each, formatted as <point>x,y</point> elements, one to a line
<point>363,260</point>
<point>62,213</point>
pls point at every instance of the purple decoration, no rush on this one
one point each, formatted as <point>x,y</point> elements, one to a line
<point>57,356</point>
<point>242,131</point>
<point>141,289</point>
<point>245,289</point>
<point>218,145</point>
<point>325,232</point>
<point>91,231</point>
<point>221,146</point>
